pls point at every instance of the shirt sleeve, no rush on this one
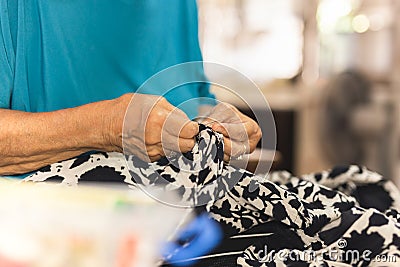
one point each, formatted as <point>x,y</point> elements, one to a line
<point>206,97</point>
<point>7,57</point>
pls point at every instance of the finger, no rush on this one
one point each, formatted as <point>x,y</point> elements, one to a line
<point>254,139</point>
<point>250,141</point>
<point>174,122</point>
<point>143,156</point>
<point>189,130</point>
<point>152,136</point>
<point>174,143</point>
<point>182,145</point>
<point>155,158</point>
<point>178,124</point>
<point>235,148</point>
<point>142,152</point>
<point>150,154</point>
<point>155,150</point>
<point>235,131</point>
<point>227,158</point>
<point>186,145</point>
<point>218,127</point>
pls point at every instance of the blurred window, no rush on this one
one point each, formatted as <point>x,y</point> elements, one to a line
<point>356,34</point>
<point>261,38</point>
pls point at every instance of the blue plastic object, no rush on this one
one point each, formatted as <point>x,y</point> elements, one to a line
<point>198,238</point>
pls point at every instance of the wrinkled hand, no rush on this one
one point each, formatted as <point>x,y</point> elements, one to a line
<point>241,133</point>
<point>153,128</point>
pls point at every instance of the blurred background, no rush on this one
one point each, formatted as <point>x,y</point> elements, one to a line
<point>328,68</point>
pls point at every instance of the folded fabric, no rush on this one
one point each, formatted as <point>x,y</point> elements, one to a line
<point>320,212</point>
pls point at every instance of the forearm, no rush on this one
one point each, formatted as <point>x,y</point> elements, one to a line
<point>29,141</point>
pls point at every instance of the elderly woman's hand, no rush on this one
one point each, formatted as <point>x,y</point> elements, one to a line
<point>241,133</point>
<point>152,127</point>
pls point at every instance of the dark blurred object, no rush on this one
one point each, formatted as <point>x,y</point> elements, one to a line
<point>285,121</point>
<point>285,131</point>
<point>353,124</point>
<point>344,93</point>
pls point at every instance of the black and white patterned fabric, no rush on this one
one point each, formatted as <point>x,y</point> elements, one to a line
<point>347,216</point>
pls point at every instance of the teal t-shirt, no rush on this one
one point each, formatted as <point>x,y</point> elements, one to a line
<point>57,54</point>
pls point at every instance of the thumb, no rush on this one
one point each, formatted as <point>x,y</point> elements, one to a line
<point>189,130</point>
<point>234,131</point>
